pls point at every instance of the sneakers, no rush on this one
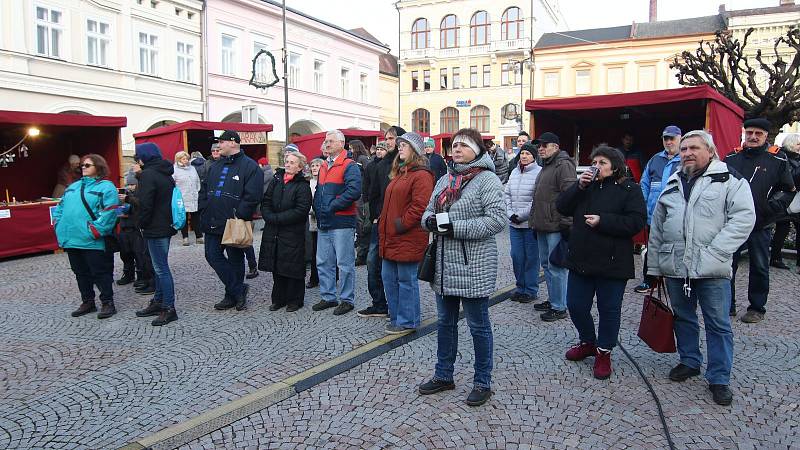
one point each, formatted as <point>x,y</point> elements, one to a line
<point>323,305</point>
<point>721,394</point>
<point>682,373</point>
<point>199,241</point>
<point>127,278</point>
<point>602,364</point>
<point>293,308</point>
<point>252,273</point>
<point>581,351</point>
<point>642,288</point>
<point>752,316</point>
<point>227,303</point>
<point>241,301</point>
<point>106,310</point>
<point>433,386</point>
<point>166,316</point>
<point>152,309</point>
<point>396,329</point>
<point>778,263</point>
<point>186,242</point>
<point>147,289</point>
<point>479,396</point>
<point>139,283</point>
<point>343,308</point>
<point>85,308</point>
<point>553,315</point>
<point>544,306</point>
<point>373,311</point>
<point>523,298</point>
<point>275,306</point>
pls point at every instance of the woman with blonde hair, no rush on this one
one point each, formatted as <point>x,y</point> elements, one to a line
<point>188,182</point>
<point>314,166</point>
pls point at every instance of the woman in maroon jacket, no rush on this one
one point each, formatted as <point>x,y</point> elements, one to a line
<point>402,239</point>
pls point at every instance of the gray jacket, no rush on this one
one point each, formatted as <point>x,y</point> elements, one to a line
<point>466,263</point>
<point>500,160</point>
<point>697,239</point>
<point>519,193</point>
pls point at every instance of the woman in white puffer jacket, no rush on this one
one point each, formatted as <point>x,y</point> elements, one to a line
<point>188,183</point>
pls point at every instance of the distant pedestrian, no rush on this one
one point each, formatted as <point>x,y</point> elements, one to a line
<point>188,182</point>
<point>435,161</point>
<point>363,225</point>
<point>500,161</point>
<point>199,164</point>
<point>791,149</point>
<point>315,165</point>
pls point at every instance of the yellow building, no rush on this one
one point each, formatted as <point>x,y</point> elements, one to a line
<point>458,60</point>
<point>388,83</point>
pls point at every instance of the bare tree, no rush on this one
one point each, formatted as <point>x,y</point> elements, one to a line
<point>723,65</point>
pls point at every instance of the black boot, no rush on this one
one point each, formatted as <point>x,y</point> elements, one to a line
<point>127,278</point>
<point>149,288</point>
<point>107,310</point>
<point>85,308</point>
<point>152,309</point>
<point>166,316</point>
<point>241,301</point>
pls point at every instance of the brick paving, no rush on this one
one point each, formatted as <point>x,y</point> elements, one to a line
<point>85,383</point>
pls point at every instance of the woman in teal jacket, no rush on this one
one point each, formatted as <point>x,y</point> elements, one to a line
<point>81,233</point>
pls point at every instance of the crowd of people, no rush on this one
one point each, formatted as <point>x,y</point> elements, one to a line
<point>400,202</point>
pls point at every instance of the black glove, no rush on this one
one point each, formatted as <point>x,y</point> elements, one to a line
<point>448,230</point>
<point>430,222</point>
<point>515,219</point>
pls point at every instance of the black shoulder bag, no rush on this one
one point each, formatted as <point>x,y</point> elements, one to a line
<point>111,242</point>
<point>426,271</point>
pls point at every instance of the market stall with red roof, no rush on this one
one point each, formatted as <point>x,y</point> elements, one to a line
<point>197,136</point>
<point>311,144</point>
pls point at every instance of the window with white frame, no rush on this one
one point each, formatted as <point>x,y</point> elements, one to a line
<point>319,76</point>
<point>294,70</point>
<point>228,57</point>
<point>185,54</point>
<point>647,78</point>
<point>364,85</point>
<point>583,82</point>
<point>48,31</point>
<point>345,82</point>
<point>551,84</point>
<point>98,39</point>
<point>148,53</point>
<point>261,67</point>
<point>616,79</point>
<point>505,71</point>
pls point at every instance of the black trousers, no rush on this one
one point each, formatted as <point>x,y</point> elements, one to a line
<point>93,268</point>
<point>134,254</point>
<point>287,291</point>
<point>193,219</point>
<point>314,278</point>
<point>781,233</point>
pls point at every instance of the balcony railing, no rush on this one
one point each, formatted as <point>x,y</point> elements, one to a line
<point>511,45</point>
<point>419,53</point>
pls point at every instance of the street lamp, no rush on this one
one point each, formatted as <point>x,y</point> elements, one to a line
<point>519,66</point>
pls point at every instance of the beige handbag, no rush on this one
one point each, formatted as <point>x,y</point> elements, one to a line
<point>238,233</point>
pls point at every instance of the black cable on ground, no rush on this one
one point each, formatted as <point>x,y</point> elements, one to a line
<point>653,393</point>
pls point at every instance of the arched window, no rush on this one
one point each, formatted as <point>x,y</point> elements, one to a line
<point>511,25</point>
<point>479,118</point>
<point>420,34</point>
<point>421,121</point>
<point>448,32</point>
<point>448,120</point>
<point>479,28</point>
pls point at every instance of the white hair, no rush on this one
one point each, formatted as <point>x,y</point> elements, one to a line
<point>301,158</point>
<point>790,140</point>
<point>337,134</point>
<point>704,136</point>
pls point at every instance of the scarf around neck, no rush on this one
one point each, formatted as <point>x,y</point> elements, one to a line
<point>455,185</point>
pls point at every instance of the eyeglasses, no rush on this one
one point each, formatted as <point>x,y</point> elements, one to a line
<point>87,165</point>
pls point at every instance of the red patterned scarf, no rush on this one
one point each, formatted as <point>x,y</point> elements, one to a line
<point>455,184</point>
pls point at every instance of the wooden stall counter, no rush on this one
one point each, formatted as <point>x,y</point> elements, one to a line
<point>25,228</point>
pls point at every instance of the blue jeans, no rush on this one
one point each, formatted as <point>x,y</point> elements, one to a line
<point>335,248</point>
<point>476,311</point>
<point>374,267</point>
<point>402,292</point>
<point>580,296</point>
<point>165,286</point>
<point>525,259</point>
<point>714,297</point>
<point>230,269</point>
<point>758,284</point>
<point>555,277</point>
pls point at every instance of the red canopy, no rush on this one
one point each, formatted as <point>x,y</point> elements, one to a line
<point>195,135</point>
<point>595,119</point>
<point>311,144</point>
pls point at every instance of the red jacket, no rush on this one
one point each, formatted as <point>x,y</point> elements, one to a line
<point>402,238</point>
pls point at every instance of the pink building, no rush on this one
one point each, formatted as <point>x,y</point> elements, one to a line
<point>332,75</point>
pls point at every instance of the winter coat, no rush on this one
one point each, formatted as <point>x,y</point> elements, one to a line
<point>188,182</point>
<point>268,176</point>
<point>338,189</point>
<point>370,178</point>
<point>437,165</point>
<point>285,208</point>
<point>312,219</point>
<point>657,171</point>
<point>697,238</point>
<point>767,175</point>
<point>607,249</point>
<point>235,185</point>
<point>557,175</point>
<point>379,181</point>
<point>402,238</point>
<point>518,193</point>
<point>154,193</point>
<point>501,168</point>
<point>74,226</point>
<point>201,167</point>
<point>466,263</point>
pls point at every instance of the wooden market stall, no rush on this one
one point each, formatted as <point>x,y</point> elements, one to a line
<point>197,136</point>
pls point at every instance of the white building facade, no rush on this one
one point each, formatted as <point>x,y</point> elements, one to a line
<point>135,58</point>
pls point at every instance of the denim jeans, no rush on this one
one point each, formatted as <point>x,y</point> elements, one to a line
<point>758,285</point>
<point>713,295</point>
<point>165,286</point>
<point>335,249</point>
<point>93,268</point>
<point>402,293</point>
<point>374,268</point>
<point>525,259</point>
<point>580,296</point>
<point>555,277</point>
<point>227,262</point>
<point>250,255</point>
<point>476,311</point>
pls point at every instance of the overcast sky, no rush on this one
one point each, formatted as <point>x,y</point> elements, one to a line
<point>379,17</point>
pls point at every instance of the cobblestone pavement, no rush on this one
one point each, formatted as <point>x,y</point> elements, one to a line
<point>85,383</point>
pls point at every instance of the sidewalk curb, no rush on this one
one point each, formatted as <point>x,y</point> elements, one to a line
<point>224,415</point>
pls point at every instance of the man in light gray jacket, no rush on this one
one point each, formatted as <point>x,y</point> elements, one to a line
<point>705,213</point>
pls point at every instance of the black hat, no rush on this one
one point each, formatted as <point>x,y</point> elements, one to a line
<point>547,138</point>
<point>758,122</point>
<point>229,135</point>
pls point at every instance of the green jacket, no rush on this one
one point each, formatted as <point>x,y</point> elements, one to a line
<point>74,226</point>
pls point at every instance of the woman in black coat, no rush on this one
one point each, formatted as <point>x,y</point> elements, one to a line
<point>607,210</point>
<point>285,208</point>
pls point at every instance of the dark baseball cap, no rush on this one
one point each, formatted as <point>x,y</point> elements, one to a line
<point>229,135</point>
<point>671,131</point>
<point>547,138</point>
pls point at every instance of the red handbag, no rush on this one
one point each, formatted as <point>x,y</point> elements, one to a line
<point>655,327</point>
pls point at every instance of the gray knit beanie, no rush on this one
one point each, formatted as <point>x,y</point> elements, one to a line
<point>415,141</point>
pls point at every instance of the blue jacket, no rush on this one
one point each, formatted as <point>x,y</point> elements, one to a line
<point>74,226</point>
<point>338,188</point>
<point>234,186</point>
<point>655,174</point>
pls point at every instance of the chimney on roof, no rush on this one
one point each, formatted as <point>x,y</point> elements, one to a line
<point>722,8</point>
<point>787,3</point>
<point>653,10</point>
